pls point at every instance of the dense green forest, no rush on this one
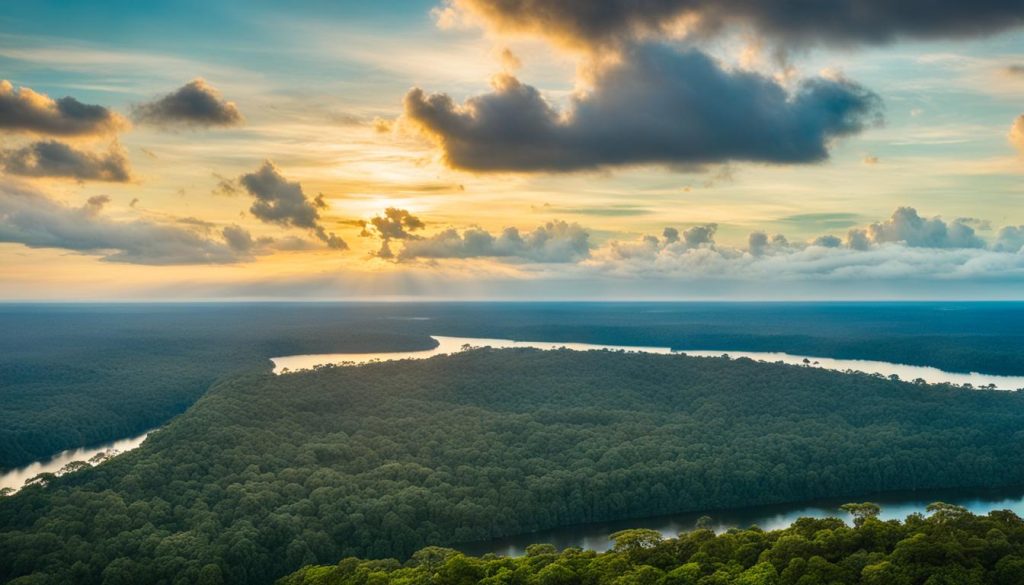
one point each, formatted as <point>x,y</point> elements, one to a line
<point>74,375</point>
<point>949,547</point>
<point>268,473</point>
<point>78,375</point>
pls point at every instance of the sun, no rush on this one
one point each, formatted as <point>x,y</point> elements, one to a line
<point>367,205</point>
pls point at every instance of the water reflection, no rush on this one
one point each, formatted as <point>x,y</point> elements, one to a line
<point>896,505</point>
<point>905,372</point>
<point>449,345</point>
<point>445,346</point>
<point>16,478</point>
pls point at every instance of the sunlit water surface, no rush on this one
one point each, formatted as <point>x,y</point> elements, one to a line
<point>449,345</point>
<point>15,478</point>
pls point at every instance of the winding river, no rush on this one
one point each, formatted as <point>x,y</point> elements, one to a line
<point>595,536</point>
<point>449,345</point>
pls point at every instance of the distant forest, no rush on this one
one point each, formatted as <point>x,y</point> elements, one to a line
<point>949,547</point>
<point>266,474</point>
<point>75,375</point>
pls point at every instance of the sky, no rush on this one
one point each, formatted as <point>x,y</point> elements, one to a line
<point>526,150</point>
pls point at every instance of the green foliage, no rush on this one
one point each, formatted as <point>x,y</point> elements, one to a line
<point>855,559</point>
<point>862,512</point>
<point>75,375</point>
<point>72,376</point>
<point>267,473</point>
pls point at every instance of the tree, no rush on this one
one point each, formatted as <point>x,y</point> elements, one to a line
<point>210,575</point>
<point>942,512</point>
<point>635,539</point>
<point>861,512</point>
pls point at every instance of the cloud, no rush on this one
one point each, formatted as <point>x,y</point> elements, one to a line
<point>225,186</point>
<point>282,202</point>
<point>907,227</point>
<point>694,237</point>
<point>396,224</point>
<point>509,60</point>
<point>657,105</point>
<point>1010,239</point>
<point>700,235</point>
<point>50,158</point>
<point>588,23</point>
<point>759,244</point>
<point>1016,133</point>
<point>555,241</point>
<point>197,104</point>
<point>828,241</point>
<point>24,110</point>
<point>279,200</point>
<point>883,262</point>
<point>906,246</point>
<point>30,218</point>
<point>240,240</point>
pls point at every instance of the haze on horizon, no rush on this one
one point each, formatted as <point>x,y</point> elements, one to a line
<point>462,149</point>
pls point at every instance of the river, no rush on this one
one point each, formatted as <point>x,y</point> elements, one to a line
<point>595,536</point>
<point>449,345</point>
<point>896,505</point>
<point>15,478</point>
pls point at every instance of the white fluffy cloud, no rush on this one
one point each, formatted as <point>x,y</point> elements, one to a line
<point>908,227</point>
<point>880,262</point>
<point>555,241</point>
<point>905,246</point>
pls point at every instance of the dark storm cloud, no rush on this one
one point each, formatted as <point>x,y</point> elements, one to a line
<point>50,158</point>
<point>24,110</point>
<point>556,241</point>
<point>34,220</point>
<point>656,106</point>
<point>793,22</point>
<point>283,202</point>
<point>197,103</point>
